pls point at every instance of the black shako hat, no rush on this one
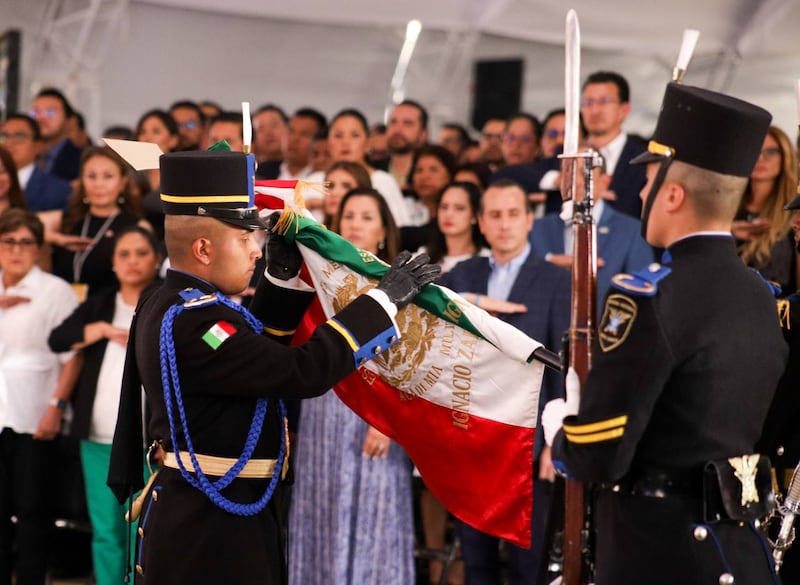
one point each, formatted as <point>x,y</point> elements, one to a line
<point>709,130</point>
<point>217,184</point>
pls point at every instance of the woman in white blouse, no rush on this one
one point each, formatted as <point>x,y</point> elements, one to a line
<point>34,385</point>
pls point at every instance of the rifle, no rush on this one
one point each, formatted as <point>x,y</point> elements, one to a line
<point>584,289</point>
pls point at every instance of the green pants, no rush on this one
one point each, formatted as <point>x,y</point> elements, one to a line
<point>109,529</point>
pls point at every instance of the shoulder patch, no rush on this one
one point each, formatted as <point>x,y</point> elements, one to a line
<point>218,333</point>
<point>619,314</point>
<point>643,283</point>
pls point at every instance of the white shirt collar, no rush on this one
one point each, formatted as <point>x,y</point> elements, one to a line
<point>612,151</point>
<point>24,175</point>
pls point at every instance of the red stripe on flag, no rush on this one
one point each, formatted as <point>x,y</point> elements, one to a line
<point>483,473</point>
<point>277,183</point>
<point>226,327</point>
<point>264,201</point>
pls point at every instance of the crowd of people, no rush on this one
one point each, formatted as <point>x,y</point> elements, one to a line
<point>82,236</point>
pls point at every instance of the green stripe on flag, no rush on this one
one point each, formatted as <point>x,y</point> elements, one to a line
<point>333,247</point>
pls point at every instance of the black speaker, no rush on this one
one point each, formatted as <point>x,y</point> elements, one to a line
<point>10,54</point>
<point>497,90</point>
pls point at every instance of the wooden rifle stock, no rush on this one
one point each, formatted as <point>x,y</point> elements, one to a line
<point>581,333</point>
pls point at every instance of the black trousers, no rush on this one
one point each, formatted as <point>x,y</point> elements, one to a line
<point>25,465</point>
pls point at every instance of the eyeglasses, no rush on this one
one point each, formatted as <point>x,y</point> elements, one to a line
<point>603,101</point>
<point>522,139</point>
<point>189,125</point>
<point>770,151</point>
<point>490,136</point>
<point>45,113</point>
<point>25,244</point>
<point>553,133</point>
<point>14,138</point>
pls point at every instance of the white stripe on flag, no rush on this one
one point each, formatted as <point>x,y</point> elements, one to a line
<point>441,362</point>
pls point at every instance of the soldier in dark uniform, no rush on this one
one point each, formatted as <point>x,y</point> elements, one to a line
<point>213,374</point>
<point>781,438</point>
<point>684,365</point>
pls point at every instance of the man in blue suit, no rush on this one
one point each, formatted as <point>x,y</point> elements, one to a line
<point>514,273</point>
<point>620,246</point>
<point>43,191</point>
<point>605,104</point>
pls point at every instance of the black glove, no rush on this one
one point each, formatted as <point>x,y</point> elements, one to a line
<point>283,258</point>
<point>407,276</point>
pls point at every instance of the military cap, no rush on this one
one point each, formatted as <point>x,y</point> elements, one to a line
<point>709,130</point>
<point>215,183</point>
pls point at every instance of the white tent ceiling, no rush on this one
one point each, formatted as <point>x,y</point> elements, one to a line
<point>334,54</point>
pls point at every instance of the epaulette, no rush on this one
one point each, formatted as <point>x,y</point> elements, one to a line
<point>773,286</point>
<point>194,299</point>
<point>643,283</point>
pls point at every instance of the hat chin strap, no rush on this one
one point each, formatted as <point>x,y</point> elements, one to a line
<point>651,196</point>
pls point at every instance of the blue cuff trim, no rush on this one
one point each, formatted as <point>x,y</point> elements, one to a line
<point>375,346</point>
<point>561,469</point>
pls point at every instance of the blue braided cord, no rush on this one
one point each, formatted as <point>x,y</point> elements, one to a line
<point>261,404</point>
<point>170,378</point>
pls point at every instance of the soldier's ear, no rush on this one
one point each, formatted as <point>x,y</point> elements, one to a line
<point>674,196</point>
<point>202,250</point>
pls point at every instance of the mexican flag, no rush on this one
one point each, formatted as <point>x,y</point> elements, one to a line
<point>456,391</point>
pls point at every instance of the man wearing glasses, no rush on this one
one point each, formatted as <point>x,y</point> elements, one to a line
<point>58,156</point>
<point>491,143</point>
<point>20,135</point>
<point>191,124</point>
<point>35,385</point>
<point>604,106</point>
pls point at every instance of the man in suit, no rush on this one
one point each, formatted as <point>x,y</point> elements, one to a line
<point>604,106</point>
<point>515,274</point>
<point>58,156</point>
<point>43,191</point>
<point>685,362</point>
<point>620,246</point>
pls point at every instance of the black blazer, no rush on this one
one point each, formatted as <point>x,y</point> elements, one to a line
<point>98,307</point>
<point>67,164</point>
<point>628,179</point>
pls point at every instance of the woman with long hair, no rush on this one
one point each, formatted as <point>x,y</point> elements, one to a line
<point>11,195</point>
<point>432,169</point>
<point>351,515</point>
<point>160,128</point>
<point>761,225</point>
<point>341,177</point>
<point>98,209</point>
<point>347,140</point>
<point>99,330</point>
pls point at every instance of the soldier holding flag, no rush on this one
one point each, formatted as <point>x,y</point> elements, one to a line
<point>214,374</point>
<point>678,389</point>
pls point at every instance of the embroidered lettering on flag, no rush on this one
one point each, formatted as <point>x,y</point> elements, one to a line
<point>457,392</point>
<point>219,332</point>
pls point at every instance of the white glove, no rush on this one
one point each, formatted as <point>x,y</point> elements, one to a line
<point>556,410</point>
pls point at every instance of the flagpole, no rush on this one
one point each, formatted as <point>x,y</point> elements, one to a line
<point>247,128</point>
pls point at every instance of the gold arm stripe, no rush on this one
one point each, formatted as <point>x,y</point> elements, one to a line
<point>596,437</point>
<point>348,337</point>
<point>602,425</point>
<point>654,147</point>
<point>278,332</point>
<point>206,199</point>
